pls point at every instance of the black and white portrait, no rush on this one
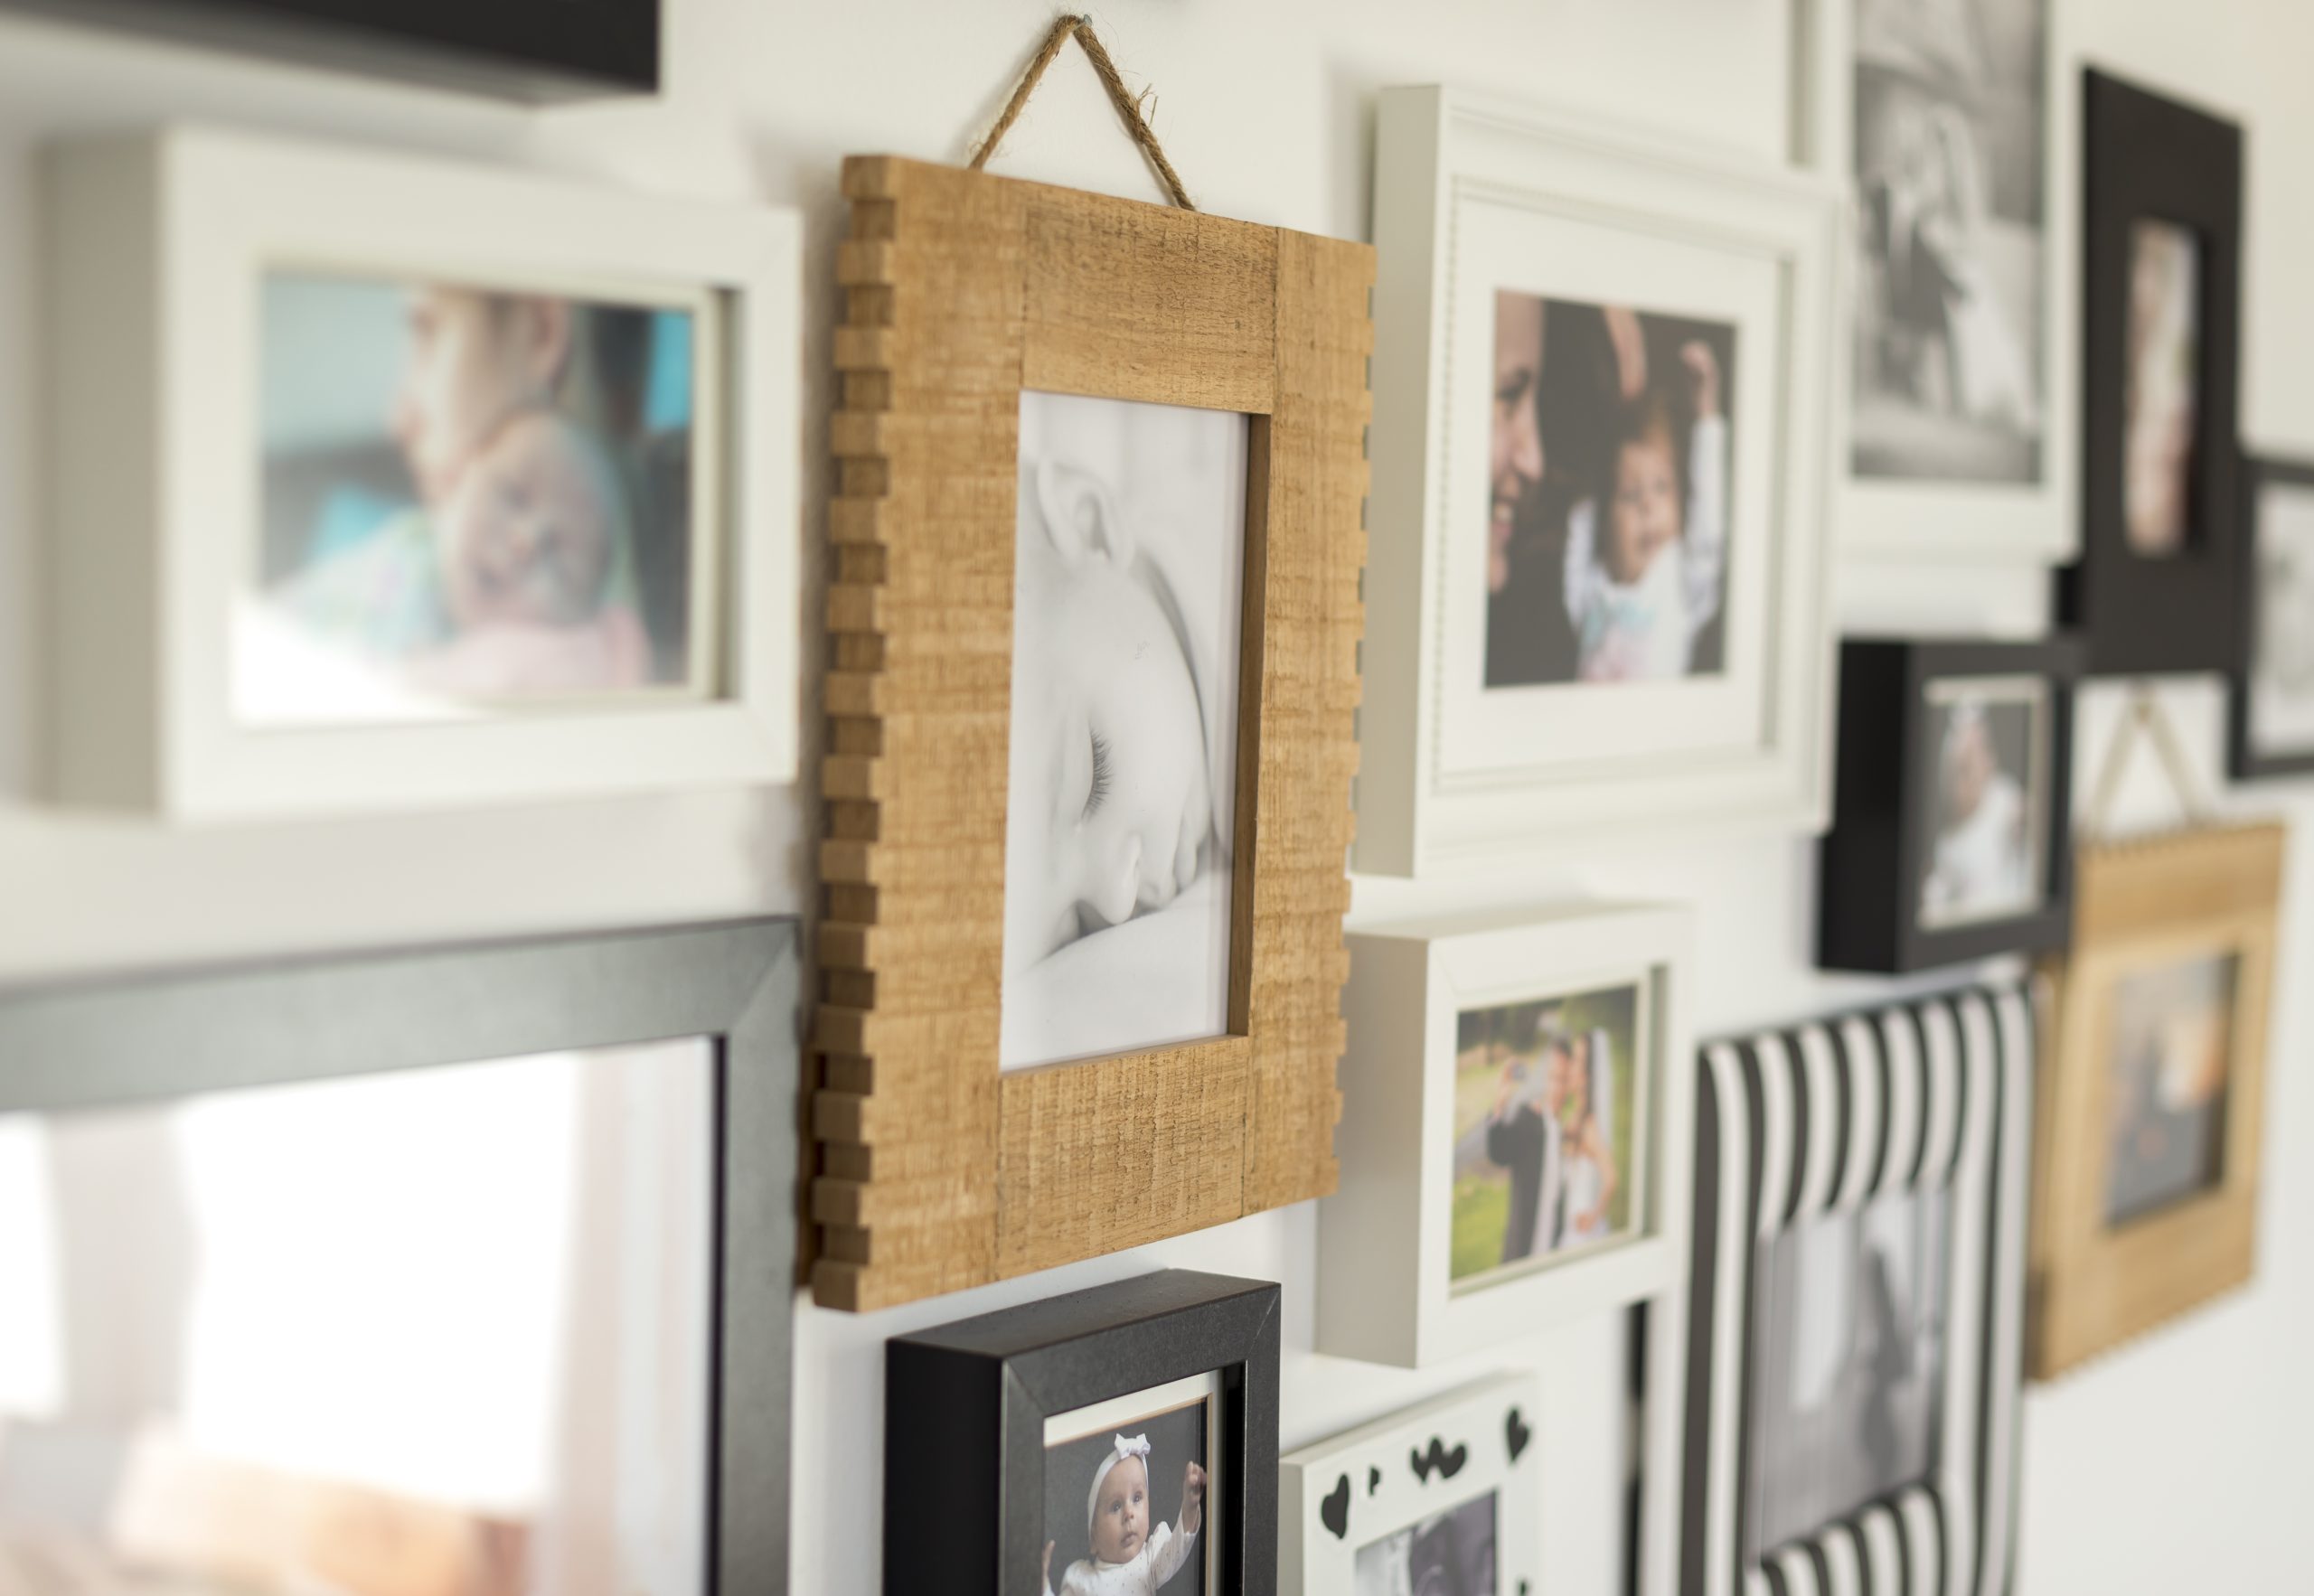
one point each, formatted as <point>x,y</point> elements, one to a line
<point>1987,766</point>
<point>1127,1501</point>
<point>1128,582</point>
<point>1449,1553</point>
<point>2282,671</point>
<point>1848,1365</point>
<point>2172,1054</point>
<point>1950,130</point>
<point>2162,402</point>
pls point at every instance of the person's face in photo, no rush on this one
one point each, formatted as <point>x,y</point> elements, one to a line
<point>1575,1097</point>
<point>473,358</point>
<point>1644,515</point>
<point>1968,770</point>
<point>1516,469</point>
<point>527,533</point>
<point>1556,1068</point>
<point>1121,1515</point>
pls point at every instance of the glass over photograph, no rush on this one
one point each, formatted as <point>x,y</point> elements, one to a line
<point>1128,1497</point>
<point>1610,458</point>
<point>1128,586</point>
<point>2165,380</point>
<point>1987,766</point>
<point>1848,1365</point>
<point>2281,669</point>
<point>1449,1553</point>
<point>2173,1051</point>
<point>1547,1106</point>
<point>474,501</point>
<point>1950,125</point>
<point>245,1348</point>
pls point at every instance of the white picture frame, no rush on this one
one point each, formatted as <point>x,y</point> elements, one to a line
<point>2038,523</point>
<point>1386,1291</point>
<point>1475,197</point>
<point>157,245</point>
<point>1343,1495</point>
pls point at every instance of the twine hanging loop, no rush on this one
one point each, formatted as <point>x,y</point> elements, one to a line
<point>1128,104</point>
<point>2146,717</point>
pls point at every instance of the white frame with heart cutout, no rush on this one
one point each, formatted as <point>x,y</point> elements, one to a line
<point>1383,1473</point>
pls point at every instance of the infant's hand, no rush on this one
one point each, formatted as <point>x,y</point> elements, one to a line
<point>1192,1485</point>
<point>1703,373</point>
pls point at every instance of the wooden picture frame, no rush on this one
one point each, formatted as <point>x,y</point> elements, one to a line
<point>1823,1122</point>
<point>2265,739</point>
<point>938,1170</point>
<point>1877,911</point>
<point>113,1042</point>
<point>974,1403</point>
<point>1339,1497</point>
<point>1510,711</point>
<point>2157,172</point>
<point>2141,908</point>
<point>165,251</point>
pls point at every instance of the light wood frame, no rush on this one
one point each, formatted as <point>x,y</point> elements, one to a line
<point>936,1172</point>
<point>2141,903</point>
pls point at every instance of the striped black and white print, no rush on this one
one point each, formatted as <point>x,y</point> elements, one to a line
<point>1927,1095</point>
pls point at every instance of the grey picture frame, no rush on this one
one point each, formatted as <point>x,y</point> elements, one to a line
<point>86,1044</point>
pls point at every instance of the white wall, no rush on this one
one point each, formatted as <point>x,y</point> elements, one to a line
<point>2179,1463</point>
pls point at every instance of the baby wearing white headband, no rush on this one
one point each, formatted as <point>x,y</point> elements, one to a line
<point>1128,1560</point>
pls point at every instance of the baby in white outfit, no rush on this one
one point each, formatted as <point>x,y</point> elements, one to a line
<point>1128,1559</point>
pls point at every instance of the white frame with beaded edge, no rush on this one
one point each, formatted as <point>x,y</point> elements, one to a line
<point>1829,1115</point>
<point>1374,1470</point>
<point>1965,521</point>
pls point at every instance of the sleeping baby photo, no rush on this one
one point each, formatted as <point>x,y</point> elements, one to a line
<point>1120,818</point>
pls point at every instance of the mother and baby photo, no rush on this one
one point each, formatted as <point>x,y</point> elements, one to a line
<point>472,499</point>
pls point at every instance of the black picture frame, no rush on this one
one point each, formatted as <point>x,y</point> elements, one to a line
<point>2147,158</point>
<point>969,1401</point>
<point>1871,863</point>
<point>109,1042</point>
<point>2244,759</point>
<point>524,50</point>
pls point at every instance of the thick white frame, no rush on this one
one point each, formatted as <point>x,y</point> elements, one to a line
<point>1385,1236</point>
<point>157,245</point>
<point>1313,1561</point>
<point>1647,762</point>
<point>1957,520</point>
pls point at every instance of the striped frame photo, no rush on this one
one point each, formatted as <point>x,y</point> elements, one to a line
<point>1928,1098</point>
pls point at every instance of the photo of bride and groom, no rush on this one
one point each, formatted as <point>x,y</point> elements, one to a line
<point>1544,1117</point>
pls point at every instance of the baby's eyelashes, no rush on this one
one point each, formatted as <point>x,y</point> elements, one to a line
<point>1096,790</point>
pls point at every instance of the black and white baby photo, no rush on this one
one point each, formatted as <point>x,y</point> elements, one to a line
<point>1987,767</point>
<point>1449,1553</point>
<point>1120,816</point>
<point>1125,1507</point>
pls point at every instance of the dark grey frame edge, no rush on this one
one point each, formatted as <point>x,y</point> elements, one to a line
<point>83,1045</point>
<point>969,1399</point>
<point>2242,761</point>
<point>1869,875</point>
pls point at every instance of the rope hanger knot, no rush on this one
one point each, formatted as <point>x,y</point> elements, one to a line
<point>1128,104</point>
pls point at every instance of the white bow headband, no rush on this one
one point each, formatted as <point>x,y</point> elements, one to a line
<point>1135,1446</point>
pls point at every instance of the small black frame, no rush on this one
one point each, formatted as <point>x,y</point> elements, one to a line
<point>2245,760</point>
<point>85,1045</point>
<point>1871,863</point>
<point>527,50</point>
<point>968,1401</point>
<point>2147,158</point>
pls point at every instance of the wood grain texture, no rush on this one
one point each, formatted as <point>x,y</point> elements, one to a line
<point>936,1172</point>
<point>2142,905</point>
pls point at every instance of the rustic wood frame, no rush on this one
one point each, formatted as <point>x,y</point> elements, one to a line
<point>2095,1285</point>
<point>936,1172</point>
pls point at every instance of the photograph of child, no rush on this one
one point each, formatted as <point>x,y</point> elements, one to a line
<point>1128,581</point>
<point>1544,1130</point>
<point>1988,803</point>
<point>472,501</point>
<point>1449,1553</point>
<point>1949,133</point>
<point>1123,1511</point>
<point>1609,493</point>
<point>1848,1365</point>
<point>2173,1048</point>
<point>2160,404</point>
<point>2281,670</point>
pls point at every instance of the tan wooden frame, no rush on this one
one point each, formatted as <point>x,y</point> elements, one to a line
<point>2138,906</point>
<point>936,1172</point>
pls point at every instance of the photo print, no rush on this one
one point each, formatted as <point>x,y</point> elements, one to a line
<point>475,501</point>
<point>1129,1497</point>
<point>1609,465</point>
<point>1547,1107</point>
<point>1120,818</point>
<point>2280,687</point>
<point>1950,125</point>
<point>1988,744</point>
<point>2160,405</point>
<point>1449,1553</point>
<point>2172,1053</point>
<point>1847,1364</point>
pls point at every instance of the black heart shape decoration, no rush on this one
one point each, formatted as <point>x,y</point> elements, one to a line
<point>1515,1431</point>
<point>1439,1460</point>
<point>1373,1480</point>
<point>1333,1512</point>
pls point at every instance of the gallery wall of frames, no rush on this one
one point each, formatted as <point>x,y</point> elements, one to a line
<point>1560,852</point>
